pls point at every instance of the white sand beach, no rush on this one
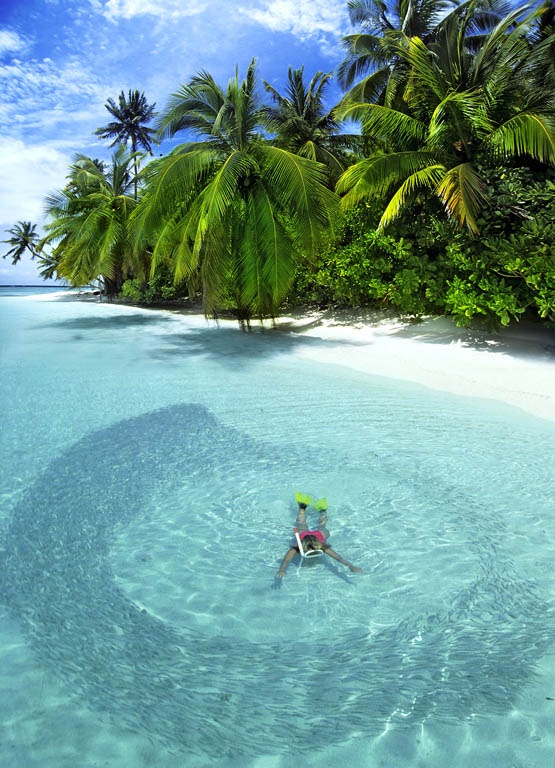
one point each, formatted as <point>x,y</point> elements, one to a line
<point>515,365</point>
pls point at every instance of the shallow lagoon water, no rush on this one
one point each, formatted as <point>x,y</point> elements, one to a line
<point>149,464</point>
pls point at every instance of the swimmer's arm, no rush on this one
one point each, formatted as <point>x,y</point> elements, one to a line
<point>285,562</point>
<point>329,551</point>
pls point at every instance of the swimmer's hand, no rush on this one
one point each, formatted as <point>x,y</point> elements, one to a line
<point>277,581</point>
<point>354,569</point>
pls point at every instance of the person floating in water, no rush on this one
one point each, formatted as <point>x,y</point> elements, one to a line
<point>312,541</point>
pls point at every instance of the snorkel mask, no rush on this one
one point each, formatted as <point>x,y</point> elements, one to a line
<point>311,552</point>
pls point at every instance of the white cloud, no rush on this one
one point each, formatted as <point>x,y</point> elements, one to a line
<point>10,42</point>
<point>302,18</point>
<point>28,172</point>
<point>165,9</point>
<point>39,95</point>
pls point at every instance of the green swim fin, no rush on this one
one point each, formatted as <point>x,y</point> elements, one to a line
<point>303,498</point>
<point>320,504</point>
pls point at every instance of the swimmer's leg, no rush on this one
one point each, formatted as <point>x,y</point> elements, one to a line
<point>301,517</point>
<point>322,505</point>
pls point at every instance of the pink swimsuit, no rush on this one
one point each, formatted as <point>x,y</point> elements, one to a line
<point>319,535</point>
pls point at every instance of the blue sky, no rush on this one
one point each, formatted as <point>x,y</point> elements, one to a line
<point>61,59</point>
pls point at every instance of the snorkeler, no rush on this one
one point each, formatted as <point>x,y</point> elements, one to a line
<point>312,542</point>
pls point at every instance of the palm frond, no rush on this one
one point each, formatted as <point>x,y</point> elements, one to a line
<point>387,123</point>
<point>374,176</point>
<point>460,116</point>
<point>368,90</point>
<point>194,106</point>
<point>221,192</point>
<point>499,39</point>
<point>425,75</point>
<point>364,52</point>
<point>169,183</point>
<point>299,186</point>
<point>308,150</point>
<point>527,133</point>
<point>464,194</point>
<point>265,264</point>
<point>427,178</point>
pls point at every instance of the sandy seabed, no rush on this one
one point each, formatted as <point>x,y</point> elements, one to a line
<point>515,365</point>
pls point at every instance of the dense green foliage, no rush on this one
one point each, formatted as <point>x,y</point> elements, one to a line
<point>158,288</point>
<point>448,194</point>
<point>459,109</point>
<point>424,265</point>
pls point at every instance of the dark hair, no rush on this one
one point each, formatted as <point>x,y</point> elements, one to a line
<point>309,541</point>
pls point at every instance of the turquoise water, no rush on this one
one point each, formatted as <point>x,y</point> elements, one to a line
<point>148,470</point>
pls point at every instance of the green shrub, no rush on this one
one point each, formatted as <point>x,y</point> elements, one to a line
<point>422,264</point>
<point>133,290</point>
<point>159,289</point>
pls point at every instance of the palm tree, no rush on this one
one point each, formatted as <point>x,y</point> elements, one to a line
<point>231,208</point>
<point>463,107</point>
<point>130,124</point>
<point>374,49</point>
<point>386,27</point>
<point>304,127</point>
<point>90,223</point>
<point>23,238</point>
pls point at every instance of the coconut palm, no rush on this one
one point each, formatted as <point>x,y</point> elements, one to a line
<point>305,127</point>
<point>374,50</point>
<point>386,26</point>
<point>231,208</point>
<point>132,114</point>
<point>23,238</point>
<point>90,223</point>
<point>462,108</point>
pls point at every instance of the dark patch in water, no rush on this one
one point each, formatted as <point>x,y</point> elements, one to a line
<point>217,696</point>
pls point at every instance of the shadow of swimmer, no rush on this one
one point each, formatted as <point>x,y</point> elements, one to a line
<point>212,696</point>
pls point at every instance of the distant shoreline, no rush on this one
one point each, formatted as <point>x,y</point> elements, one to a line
<point>42,287</point>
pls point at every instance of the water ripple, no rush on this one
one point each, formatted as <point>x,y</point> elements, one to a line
<point>213,695</point>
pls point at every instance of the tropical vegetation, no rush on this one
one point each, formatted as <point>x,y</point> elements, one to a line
<point>303,125</point>
<point>230,210</point>
<point>442,204</point>
<point>459,107</point>
<point>422,265</point>
<point>130,125</point>
<point>90,224</point>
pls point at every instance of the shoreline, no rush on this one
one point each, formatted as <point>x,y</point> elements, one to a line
<point>515,365</point>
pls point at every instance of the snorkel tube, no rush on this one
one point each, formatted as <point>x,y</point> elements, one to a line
<point>312,553</point>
